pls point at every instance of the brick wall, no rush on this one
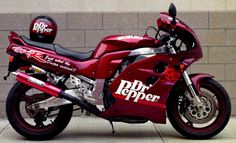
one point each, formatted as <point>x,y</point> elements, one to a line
<point>26,6</point>
<point>82,32</point>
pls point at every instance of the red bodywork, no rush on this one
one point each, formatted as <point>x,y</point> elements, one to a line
<point>108,56</point>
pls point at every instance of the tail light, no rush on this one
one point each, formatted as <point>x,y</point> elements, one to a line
<point>11,58</point>
<point>25,68</point>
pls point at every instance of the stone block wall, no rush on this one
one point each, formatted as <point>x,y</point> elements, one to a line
<point>83,31</point>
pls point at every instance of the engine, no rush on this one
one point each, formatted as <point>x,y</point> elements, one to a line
<point>86,89</point>
<point>83,87</point>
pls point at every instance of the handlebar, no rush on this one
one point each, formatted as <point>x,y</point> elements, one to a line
<point>166,42</point>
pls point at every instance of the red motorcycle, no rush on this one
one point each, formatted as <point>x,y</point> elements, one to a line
<point>132,79</point>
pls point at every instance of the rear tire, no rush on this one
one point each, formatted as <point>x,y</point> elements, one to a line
<point>187,122</point>
<point>38,125</point>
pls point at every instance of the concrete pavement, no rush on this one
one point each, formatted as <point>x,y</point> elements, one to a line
<point>97,130</point>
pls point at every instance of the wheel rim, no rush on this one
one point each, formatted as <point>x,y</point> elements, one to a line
<point>32,120</point>
<point>212,98</point>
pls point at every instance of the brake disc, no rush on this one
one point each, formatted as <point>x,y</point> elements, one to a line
<point>205,113</point>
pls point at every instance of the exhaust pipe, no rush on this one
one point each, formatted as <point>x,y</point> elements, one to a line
<point>37,84</point>
<point>52,90</point>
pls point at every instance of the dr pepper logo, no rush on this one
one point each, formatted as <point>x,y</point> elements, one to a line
<point>135,91</point>
<point>37,55</point>
<point>41,28</point>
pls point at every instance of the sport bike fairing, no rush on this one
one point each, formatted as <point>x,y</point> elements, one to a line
<point>137,96</point>
<point>131,89</point>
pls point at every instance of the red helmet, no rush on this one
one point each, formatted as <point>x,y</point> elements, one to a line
<point>43,29</point>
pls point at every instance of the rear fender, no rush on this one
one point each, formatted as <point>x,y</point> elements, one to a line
<point>197,78</point>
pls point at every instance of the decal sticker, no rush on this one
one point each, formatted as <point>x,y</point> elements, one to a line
<point>36,81</point>
<point>37,55</point>
<point>129,37</point>
<point>135,90</point>
<point>41,28</point>
<point>59,63</point>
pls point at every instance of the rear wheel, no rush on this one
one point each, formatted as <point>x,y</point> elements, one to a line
<point>37,125</point>
<point>204,122</point>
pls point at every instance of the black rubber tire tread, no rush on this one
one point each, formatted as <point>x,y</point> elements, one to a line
<point>60,123</point>
<point>171,108</point>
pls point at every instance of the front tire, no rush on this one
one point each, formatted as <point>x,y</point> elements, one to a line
<point>35,125</point>
<point>197,124</point>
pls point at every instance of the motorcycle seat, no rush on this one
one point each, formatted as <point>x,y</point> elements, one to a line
<point>82,56</point>
<point>37,44</point>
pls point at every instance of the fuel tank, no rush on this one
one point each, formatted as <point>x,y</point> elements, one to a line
<point>122,42</point>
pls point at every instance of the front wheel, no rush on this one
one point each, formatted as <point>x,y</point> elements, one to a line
<point>203,123</point>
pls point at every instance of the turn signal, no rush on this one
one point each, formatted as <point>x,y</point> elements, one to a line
<point>182,66</point>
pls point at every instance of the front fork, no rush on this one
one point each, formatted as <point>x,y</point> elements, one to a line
<point>193,97</point>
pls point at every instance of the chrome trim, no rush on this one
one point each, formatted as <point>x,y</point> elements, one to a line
<point>38,69</point>
<point>86,79</point>
<point>14,73</point>
<point>194,96</point>
<point>186,78</point>
<point>36,81</point>
<point>76,79</point>
<point>141,57</point>
<point>97,93</point>
<point>53,101</point>
<point>48,103</point>
<point>142,51</point>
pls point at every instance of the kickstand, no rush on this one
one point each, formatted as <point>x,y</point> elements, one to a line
<point>113,130</point>
<point>5,77</point>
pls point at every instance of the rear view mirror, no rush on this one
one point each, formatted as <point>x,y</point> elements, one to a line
<point>172,10</point>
